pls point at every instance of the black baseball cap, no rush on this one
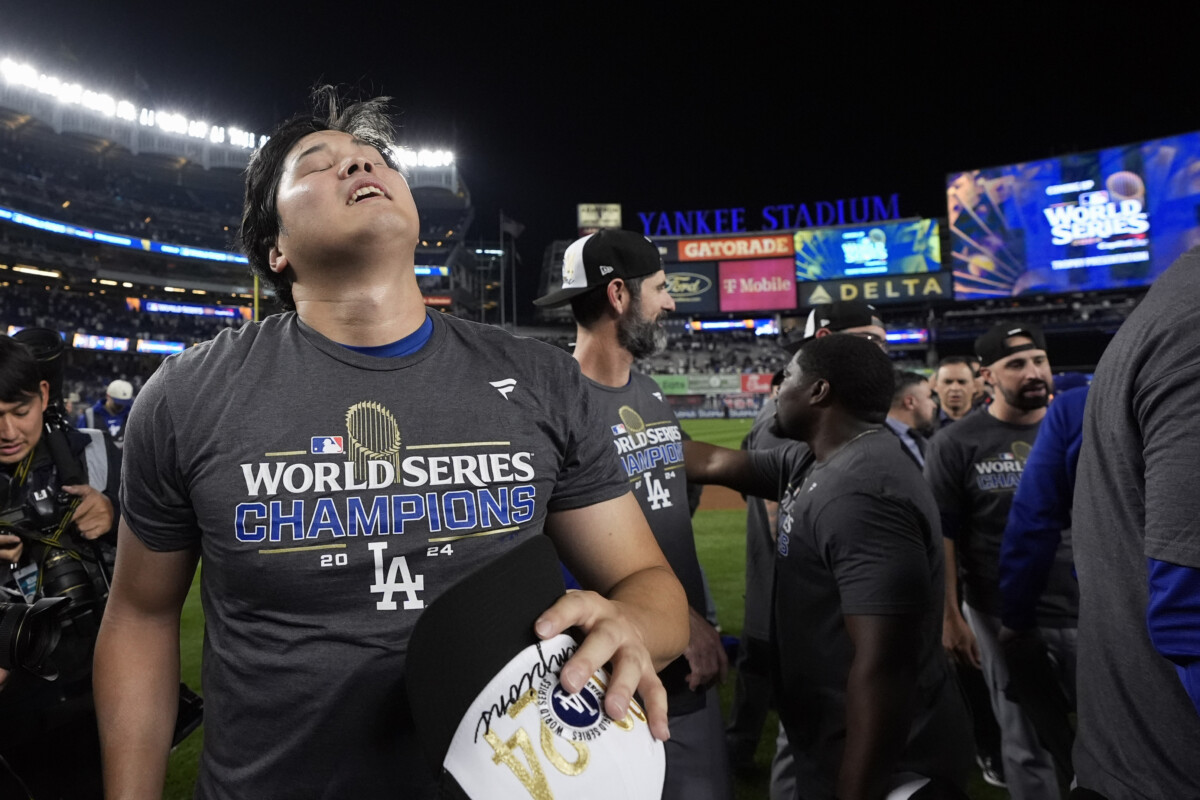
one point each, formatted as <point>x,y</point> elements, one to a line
<point>837,316</point>
<point>477,675</point>
<point>594,260</point>
<point>992,346</point>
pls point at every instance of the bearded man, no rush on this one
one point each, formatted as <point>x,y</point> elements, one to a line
<point>617,289</point>
<point>974,467</point>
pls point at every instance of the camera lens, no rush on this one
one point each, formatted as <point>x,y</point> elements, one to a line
<point>65,576</point>
<point>29,634</point>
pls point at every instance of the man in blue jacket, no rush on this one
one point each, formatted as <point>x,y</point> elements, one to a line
<point>1032,549</point>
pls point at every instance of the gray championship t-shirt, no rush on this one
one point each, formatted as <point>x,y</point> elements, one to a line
<point>1136,498</point>
<point>333,496</point>
<point>648,442</point>
<point>974,467</point>
<point>859,534</point>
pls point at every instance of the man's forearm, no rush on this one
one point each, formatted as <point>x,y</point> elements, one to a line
<point>655,603</point>
<point>136,682</point>
<point>707,463</point>
<point>952,608</point>
<point>772,509</point>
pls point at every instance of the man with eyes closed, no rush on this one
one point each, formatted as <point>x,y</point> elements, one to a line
<point>337,466</point>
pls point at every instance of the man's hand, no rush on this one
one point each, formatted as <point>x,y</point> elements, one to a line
<point>609,636</point>
<point>94,516</point>
<point>959,640</point>
<point>10,548</point>
<point>705,653</point>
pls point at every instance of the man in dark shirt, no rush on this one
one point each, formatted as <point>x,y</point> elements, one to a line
<point>865,692</point>
<point>974,467</point>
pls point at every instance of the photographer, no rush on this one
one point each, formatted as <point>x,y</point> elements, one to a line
<point>58,487</point>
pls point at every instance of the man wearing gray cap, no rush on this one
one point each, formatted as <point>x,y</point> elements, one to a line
<point>617,289</point>
<point>974,467</point>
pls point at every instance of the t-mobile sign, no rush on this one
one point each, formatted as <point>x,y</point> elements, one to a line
<point>765,284</point>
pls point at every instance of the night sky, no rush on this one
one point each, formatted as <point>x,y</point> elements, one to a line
<point>547,106</point>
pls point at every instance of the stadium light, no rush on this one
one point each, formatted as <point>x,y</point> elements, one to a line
<point>44,273</point>
<point>27,76</point>
<point>408,157</point>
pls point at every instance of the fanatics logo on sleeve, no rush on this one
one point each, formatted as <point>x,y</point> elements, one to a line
<point>327,444</point>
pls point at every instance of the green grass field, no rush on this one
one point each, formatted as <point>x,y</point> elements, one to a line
<point>720,543</point>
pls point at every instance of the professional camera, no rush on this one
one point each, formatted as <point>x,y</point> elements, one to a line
<point>70,567</point>
<point>67,566</point>
<point>28,636</point>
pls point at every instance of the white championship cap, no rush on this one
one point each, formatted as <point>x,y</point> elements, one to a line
<point>490,714</point>
<point>524,736</point>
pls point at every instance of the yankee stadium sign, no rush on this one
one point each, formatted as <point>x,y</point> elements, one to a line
<point>847,211</point>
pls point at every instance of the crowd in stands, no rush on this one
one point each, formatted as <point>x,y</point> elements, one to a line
<point>91,312</point>
<point>716,352</point>
<point>118,196</point>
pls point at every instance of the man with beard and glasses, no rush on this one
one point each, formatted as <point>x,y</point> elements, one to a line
<point>975,466</point>
<point>617,289</point>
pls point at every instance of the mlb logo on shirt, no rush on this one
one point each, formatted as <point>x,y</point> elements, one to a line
<point>618,429</point>
<point>327,444</point>
<point>1007,456</point>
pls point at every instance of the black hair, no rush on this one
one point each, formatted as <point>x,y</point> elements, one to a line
<point>366,120</point>
<point>967,361</point>
<point>905,380</point>
<point>777,378</point>
<point>860,375</point>
<point>20,378</point>
<point>591,305</point>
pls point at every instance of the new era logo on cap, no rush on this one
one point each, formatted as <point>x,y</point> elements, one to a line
<point>597,259</point>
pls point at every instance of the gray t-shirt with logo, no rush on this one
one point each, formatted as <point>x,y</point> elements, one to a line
<point>974,467</point>
<point>647,441</point>
<point>332,496</point>
<point>858,535</point>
